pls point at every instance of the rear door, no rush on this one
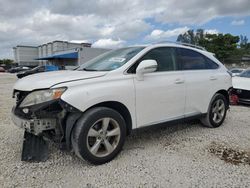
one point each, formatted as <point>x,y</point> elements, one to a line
<point>201,79</point>
<point>161,95</point>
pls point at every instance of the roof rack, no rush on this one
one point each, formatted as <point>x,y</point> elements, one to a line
<point>184,44</point>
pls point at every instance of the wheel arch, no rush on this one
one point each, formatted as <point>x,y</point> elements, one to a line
<point>225,93</point>
<point>118,106</point>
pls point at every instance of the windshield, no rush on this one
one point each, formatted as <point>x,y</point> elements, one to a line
<point>245,73</point>
<point>236,70</point>
<point>111,60</point>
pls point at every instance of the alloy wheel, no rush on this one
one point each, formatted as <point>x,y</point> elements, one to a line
<point>103,137</point>
<point>218,110</point>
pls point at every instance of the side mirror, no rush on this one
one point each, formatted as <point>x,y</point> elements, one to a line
<point>146,66</point>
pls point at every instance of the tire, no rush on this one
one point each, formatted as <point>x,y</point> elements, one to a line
<point>216,112</point>
<point>99,135</point>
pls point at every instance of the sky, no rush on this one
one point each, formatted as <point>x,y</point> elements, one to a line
<point>115,23</point>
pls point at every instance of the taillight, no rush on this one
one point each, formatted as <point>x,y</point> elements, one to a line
<point>234,99</point>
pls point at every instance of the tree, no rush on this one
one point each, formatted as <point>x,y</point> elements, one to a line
<point>222,45</point>
<point>187,37</point>
<point>6,61</point>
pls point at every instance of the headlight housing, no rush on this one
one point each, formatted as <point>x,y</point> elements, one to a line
<point>41,96</point>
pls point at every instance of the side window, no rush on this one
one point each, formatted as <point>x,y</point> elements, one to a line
<point>164,56</point>
<point>211,64</point>
<point>192,60</point>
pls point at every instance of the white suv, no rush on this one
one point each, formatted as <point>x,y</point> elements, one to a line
<point>93,108</point>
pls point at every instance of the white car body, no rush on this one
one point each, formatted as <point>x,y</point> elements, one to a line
<point>159,97</point>
<point>241,83</point>
<point>236,71</point>
<point>241,88</point>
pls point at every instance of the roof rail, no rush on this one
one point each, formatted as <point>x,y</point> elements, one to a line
<point>194,46</point>
<point>184,44</point>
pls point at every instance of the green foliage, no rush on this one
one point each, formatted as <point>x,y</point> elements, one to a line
<point>6,61</point>
<point>224,46</point>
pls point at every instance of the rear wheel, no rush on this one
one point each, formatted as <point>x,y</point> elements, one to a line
<point>99,135</point>
<point>217,111</point>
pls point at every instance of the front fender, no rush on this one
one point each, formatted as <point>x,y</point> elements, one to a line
<point>84,96</point>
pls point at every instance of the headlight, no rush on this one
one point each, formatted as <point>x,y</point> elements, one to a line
<point>41,96</point>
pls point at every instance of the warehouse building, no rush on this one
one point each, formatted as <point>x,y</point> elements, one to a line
<point>26,55</point>
<point>60,53</point>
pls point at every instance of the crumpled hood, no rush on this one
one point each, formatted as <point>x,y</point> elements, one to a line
<point>241,83</point>
<point>48,79</point>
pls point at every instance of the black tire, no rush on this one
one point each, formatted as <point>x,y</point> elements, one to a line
<point>79,136</point>
<point>208,119</point>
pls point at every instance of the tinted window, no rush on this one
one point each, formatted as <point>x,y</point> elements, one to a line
<point>164,58</point>
<point>235,70</point>
<point>210,64</point>
<point>245,73</point>
<point>191,60</point>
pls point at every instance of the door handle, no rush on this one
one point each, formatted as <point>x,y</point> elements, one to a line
<point>213,78</point>
<point>179,81</point>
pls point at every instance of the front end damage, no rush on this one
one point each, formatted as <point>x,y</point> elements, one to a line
<point>52,120</point>
<point>240,96</point>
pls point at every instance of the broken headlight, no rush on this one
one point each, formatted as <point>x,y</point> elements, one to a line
<point>41,96</point>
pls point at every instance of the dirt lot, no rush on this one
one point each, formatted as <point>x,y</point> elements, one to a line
<point>183,155</point>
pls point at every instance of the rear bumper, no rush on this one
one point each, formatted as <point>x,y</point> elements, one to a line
<point>34,126</point>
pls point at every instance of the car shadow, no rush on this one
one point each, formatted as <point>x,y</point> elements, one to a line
<point>138,139</point>
<point>157,132</point>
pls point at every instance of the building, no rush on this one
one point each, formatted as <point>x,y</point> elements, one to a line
<point>26,55</point>
<point>60,53</point>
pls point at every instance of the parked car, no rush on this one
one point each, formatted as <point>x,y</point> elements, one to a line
<point>2,69</point>
<point>236,71</point>
<point>44,68</point>
<point>241,88</point>
<point>18,69</point>
<point>91,110</point>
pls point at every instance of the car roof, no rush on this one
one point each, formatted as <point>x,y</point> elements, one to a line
<point>177,45</point>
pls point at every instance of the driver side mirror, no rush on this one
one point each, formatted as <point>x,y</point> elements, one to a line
<point>146,66</point>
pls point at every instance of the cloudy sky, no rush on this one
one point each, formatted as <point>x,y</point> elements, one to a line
<point>115,23</point>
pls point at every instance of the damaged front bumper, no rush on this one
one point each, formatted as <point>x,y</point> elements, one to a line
<point>34,126</point>
<point>52,120</point>
<point>35,147</point>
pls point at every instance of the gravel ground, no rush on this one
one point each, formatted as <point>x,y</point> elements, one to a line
<point>170,156</point>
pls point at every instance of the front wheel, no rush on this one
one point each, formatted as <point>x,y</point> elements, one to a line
<point>99,135</point>
<point>217,111</point>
